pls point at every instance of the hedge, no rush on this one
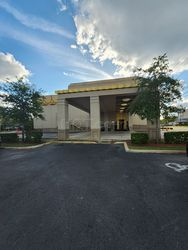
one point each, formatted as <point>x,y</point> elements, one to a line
<point>37,135</point>
<point>11,137</point>
<point>28,137</point>
<point>34,136</point>
<point>176,137</point>
<point>139,138</point>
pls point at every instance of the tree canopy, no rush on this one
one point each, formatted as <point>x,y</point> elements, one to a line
<point>21,103</point>
<point>157,91</point>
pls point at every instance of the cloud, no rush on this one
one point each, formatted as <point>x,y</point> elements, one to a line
<point>73,46</point>
<point>83,50</point>
<point>62,6</point>
<point>35,22</point>
<point>80,75</point>
<point>10,68</point>
<point>131,33</point>
<point>183,103</point>
<point>57,54</point>
<point>66,74</point>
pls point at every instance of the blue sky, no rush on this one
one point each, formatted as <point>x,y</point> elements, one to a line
<point>57,42</point>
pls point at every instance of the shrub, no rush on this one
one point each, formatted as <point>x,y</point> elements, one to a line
<point>36,136</point>
<point>9,137</point>
<point>28,136</point>
<point>176,137</point>
<point>139,138</point>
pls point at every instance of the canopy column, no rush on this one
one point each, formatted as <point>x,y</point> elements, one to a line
<point>95,118</point>
<point>62,118</point>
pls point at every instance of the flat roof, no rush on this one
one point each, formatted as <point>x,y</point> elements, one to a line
<point>109,84</point>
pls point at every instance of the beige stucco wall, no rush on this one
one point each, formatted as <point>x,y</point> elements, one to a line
<point>79,118</point>
<point>76,117</point>
<point>136,120</point>
<point>137,124</point>
<point>50,118</point>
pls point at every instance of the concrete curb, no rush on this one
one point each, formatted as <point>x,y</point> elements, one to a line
<point>127,149</point>
<point>51,142</point>
<point>28,147</point>
<point>75,142</point>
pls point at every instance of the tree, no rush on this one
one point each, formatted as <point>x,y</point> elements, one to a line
<point>169,119</point>
<point>157,90</point>
<point>21,103</point>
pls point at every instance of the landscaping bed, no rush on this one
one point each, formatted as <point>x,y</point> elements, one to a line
<point>12,139</point>
<point>159,146</point>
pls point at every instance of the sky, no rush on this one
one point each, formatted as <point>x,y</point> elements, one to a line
<point>57,42</point>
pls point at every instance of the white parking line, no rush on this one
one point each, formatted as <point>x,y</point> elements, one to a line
<point>176,167</point>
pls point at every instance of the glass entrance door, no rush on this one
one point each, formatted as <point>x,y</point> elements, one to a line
<point>121,124</point>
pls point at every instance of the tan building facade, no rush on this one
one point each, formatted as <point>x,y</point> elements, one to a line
<point>94,106</point>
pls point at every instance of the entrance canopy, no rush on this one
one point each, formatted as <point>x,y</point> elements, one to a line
<point>106,101</point>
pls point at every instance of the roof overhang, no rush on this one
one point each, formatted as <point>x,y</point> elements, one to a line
<point>100,85</point>
<point>109,87</point>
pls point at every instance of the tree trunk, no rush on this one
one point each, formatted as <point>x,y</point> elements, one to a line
<point>157,130</point>
<point>157,125</point>
<point>23,134</point>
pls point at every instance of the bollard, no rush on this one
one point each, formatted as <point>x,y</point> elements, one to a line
<point>187,149</point>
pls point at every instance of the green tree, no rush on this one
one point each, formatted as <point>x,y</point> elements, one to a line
<point>21,103</point>
<point>157,90</point>
<point>168,119</point>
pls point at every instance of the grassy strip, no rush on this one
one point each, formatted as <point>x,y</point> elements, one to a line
<point>157,148</point>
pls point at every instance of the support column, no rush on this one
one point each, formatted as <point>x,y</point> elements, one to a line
<point>95,118</point>
<point>62,119</point>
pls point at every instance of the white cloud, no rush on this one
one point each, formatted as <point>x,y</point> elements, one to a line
<point>131,33</point>
<point>10,68</point>
<point>66,74</point>
<point>57,54</point>
<point>80,75</point>
<point>35,22</point>
<point>183,103</point>
<point>73,46</point>
<point>83,50</point>
<point>62,6</point>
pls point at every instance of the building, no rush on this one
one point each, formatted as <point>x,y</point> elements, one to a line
<point>183,117</point>
<point>78,119</point>
<point>93,106</point>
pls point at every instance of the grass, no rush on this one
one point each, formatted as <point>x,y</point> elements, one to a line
<point>161,146</point>
<point>157,148</point>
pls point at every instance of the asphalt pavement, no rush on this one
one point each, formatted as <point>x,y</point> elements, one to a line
<point>78,196</point>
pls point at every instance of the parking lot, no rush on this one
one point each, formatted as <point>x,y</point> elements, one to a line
<point>76,196</point>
